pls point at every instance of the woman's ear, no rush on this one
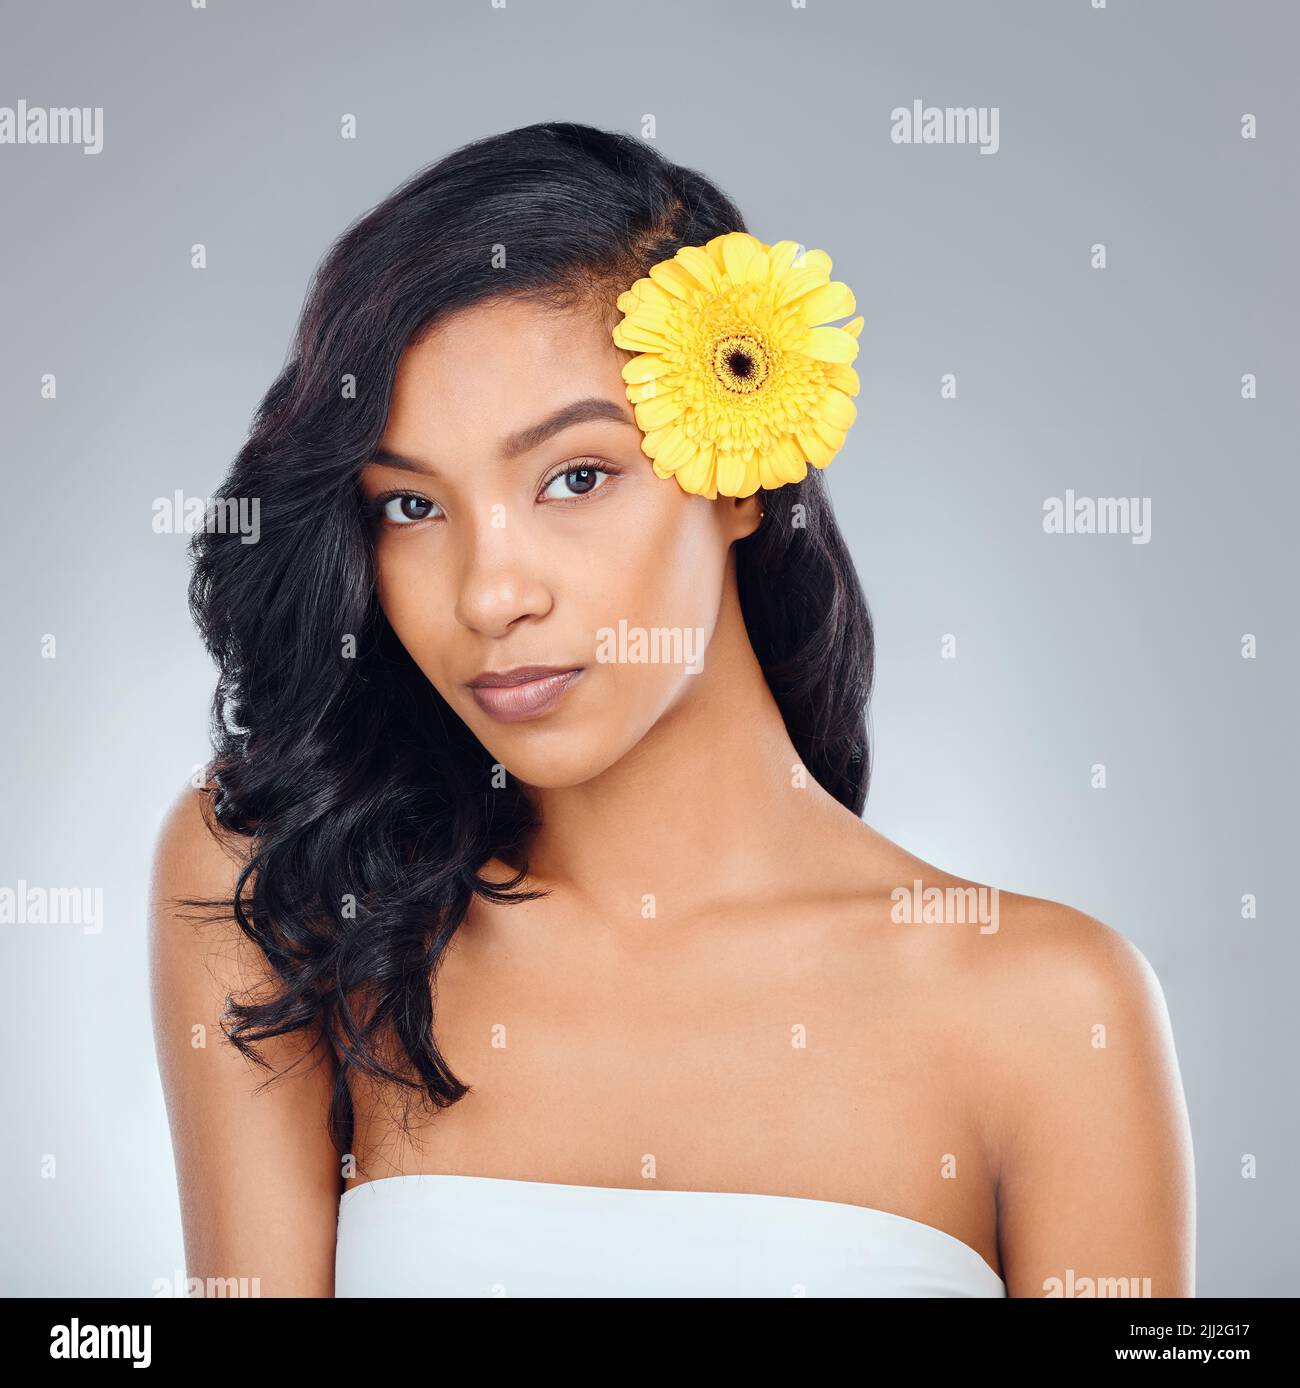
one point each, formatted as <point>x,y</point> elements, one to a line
<point>747,513</point>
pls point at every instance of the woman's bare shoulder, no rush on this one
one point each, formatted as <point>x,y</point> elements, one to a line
<point>257,1172</point>
<point>196,870</point>
<point>1047,997</point>
<point>1062,1014</point>
<point>1020,944</point>
<point>193,850</point>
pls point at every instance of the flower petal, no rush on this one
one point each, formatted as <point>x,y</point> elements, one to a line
<point>658,318</point>
<point>647,367</point>
<point>816,260</point>
<point>833,438</point>
<point>833,300</point>
<point>844,378</point>
<point>698,475</point>
<point>731,472</point>
<point>640,391</point>
<point>738,250</point>
<point>699,265</point>
<point>795,284</point>
<point>829,344</point>
<point>838,410</point>
<point>815,450</point>
<point>675,451</point>
<point>633,336</point>
<point>788,461</point>
<point>674,279</point>
<point>650,292</point>
<point>656,412</point>
<point>779,257</point>
<point>777,468</point>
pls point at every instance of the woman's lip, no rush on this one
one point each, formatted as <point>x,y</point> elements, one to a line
<point>519,675</point>
<point>524,698</point>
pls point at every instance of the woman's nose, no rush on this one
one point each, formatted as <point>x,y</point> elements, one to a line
<point>499,583</point>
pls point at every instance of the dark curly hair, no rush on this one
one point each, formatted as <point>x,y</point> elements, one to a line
<point>368,804</point>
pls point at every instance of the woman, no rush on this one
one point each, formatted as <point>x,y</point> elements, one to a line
<point>512,718</point>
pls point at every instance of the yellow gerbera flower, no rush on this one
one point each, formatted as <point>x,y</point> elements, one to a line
<point>740,383</point>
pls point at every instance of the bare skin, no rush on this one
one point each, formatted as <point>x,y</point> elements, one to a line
<point>716,995</point>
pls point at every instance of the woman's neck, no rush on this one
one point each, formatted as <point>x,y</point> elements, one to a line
<point>707,805</point>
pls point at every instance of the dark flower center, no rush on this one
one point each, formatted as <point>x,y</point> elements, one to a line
<point>741,363</point>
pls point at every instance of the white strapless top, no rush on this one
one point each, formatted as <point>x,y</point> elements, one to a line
<point>462,1236</point>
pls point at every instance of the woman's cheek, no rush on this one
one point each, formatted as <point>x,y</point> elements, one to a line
<point>419,612</point>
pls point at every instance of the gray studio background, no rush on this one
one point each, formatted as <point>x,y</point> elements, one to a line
<point>1120,126</point>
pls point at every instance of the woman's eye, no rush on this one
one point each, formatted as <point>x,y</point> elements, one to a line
<point>406,510</point>
<point>578,481</point>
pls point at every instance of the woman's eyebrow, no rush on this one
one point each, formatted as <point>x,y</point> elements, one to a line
<point>390,459</point>
<point>595,407</point>
<point>579,412</point>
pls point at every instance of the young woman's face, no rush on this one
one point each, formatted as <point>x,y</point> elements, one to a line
<point>514,539</point>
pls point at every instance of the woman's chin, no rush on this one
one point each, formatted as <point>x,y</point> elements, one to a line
<point>557,767</point>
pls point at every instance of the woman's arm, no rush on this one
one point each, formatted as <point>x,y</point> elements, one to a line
<point>1097,1191</point>
<point>259,1179</point>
